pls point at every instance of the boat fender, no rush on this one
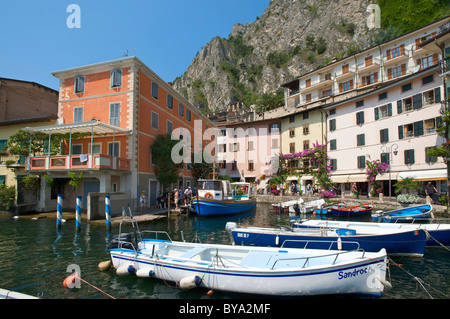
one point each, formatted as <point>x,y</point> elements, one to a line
<point>385,283</point>
<point>105,265</point>
<point>122,270</point>
<point>131,270</point>
<point>145,273</point>
<point>277,240</point>
<point>190,282</point>
<point>339,243</point>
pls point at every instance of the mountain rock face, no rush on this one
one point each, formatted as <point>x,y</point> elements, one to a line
<point>292,37</point>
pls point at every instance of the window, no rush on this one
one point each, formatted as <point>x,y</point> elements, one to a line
<point>384,135</point>
<point>428,158</point>
<point>383,111</point>
<point>234,166</point>
<point>96,148</point>
<point>308,98</point>
<point>292,119</point>
<point>116,78</point>
<point>188,115</point>
<point>385,158</point>
<point>292,132</point>
<point>333,145</point>
<point>155,89</point>
<point>251,165</point>
<point>274,127</point>
<point>406,87</point>
<point>417,101</point>
<point>250,146</point>
<point>361,162</point>
<point>382,96</point>
<point>223,132</point>
<point>395,52</point>
<point>360,140</point>
<point>430,126</point>
<point>360,118</point>
<point>370,79</point>
<point>305,145</point>
<point>332,124</point>
<point>155,120</point>
<point>234,147</point>
<point>346,86</point>
<point>368,61</point>
<point>306,115</point>
<point>79,84</point>
<point>77,114</point>
<point>181,109</point>
<point>308,83</point>
<point>3,145</point>
<point>292,147</point>
<point>396,71</point>
<point>306,129</point>
<point>113,149</point>
<point>428,97</point>
<point>333,164</point>
<point>409,157</point>
<point>169,127</point>
<point>222,148</point>
<point>114,114</point>
<point>428,61</point>
<point>345,69</point>
<point>77,149</point>
<point>170,101</point>
<point>427,79</point>
<point>360,103</point>
<point>332,111</point>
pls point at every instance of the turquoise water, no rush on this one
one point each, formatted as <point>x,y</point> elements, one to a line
<point>34,257</point>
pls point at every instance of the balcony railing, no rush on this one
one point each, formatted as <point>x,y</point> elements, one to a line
<point>78,162</point>
<point>444,66</point>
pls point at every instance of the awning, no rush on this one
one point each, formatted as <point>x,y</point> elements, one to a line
<point>385,176</point>
<point>82,127</point>
<point>293,178</point>
<point>357,178</point>
<point>339,178</point>
<point>426,175</point>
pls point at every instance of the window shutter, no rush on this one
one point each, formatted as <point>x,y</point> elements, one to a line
<point>332,145</point>
<point>437,95</point>
<point>390,109</point>
<point>417,101</point>
<point>418,128</point>
<point>403,69</point>
<point>389,74</point>
<point>388,54</point>
<point>399,107</point>
<point>400,132</point>
<point>377,114</point>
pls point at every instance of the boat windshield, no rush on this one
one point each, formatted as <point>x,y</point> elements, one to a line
<point>213,185</point>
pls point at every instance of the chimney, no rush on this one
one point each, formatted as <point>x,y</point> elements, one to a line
<point>333,59</point>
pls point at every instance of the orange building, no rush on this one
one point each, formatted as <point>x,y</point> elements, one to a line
<point>120,106</point>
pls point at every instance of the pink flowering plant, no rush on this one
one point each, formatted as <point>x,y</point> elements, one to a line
<point>375,168</point>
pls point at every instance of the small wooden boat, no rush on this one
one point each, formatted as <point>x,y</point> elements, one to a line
<point>404,214</point>
<point>254,270</point>
<point>408,242</point>
<point>327,209</point>
<point>438,232</point>
<point>353,210</point>
<point>284,206</point>
<point>220,197</point>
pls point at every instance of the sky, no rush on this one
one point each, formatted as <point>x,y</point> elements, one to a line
<point>36,38</point>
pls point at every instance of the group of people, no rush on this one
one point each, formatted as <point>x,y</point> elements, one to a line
<point>178,197</point>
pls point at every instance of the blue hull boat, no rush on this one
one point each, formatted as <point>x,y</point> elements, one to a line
<point>410,242</point>
<point>404,214</point>
<point>212,207</point>
<point>220,198</point>
<point>327,209</point>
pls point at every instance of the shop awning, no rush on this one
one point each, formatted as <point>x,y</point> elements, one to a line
<point>339,178</point>
<point>357,178</point>
<point>426,175</point>
<point>385,176</point>
<point>82,127</point>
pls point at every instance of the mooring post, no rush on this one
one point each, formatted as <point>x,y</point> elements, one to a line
<point>108,211</point>
<point>78,213</point>
<point>59,206</point>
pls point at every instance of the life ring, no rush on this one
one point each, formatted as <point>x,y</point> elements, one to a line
<point>209,195</point>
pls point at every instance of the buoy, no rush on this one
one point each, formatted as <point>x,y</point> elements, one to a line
<point>210,292</point>
<point>105,265</point>
<point>277,240</point>
<point>190,282</point>
<point>70,281</point>
<point>145,272</point>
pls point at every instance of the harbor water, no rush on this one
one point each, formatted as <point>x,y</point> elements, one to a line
<point>35,256</point>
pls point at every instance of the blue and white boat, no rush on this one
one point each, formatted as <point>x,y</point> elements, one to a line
<point>410,242</point>
<point>353,210</point>
<point>327,209</point>
<point>254,270</point>
<point>404,214</point>
<point>438,232</point>
<point>220,197</point>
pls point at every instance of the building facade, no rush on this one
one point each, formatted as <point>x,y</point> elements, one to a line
<point>119,107</point>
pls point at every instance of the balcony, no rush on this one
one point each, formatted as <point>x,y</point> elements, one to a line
<point>396,55</point>
<point>12,160</point>
<point>444,67</point>
<point>77,163</point>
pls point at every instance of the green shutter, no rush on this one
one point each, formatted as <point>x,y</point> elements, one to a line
<point>377,115</point>
<point>399,107</point>
<point>400,132</point>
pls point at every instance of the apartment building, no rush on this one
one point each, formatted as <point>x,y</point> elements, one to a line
<point>119,107</point>
<point>246,150</point>
<point>353,89</point>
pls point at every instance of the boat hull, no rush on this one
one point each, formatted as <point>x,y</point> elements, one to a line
<point>404,214</point>
<point>212,207</point>
<point>406,243</point>
<point>360,276</point>
<point>346,212</point>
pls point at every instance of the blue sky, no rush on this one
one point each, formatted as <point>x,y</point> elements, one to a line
<point>167,34</point>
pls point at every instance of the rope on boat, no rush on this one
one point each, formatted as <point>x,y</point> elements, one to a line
<point>419,281</point>
<point>96,288</point>
<point>428,234</point>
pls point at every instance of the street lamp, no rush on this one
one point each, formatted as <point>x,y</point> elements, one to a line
<point>393,149</point>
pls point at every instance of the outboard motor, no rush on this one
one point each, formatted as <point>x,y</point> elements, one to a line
<point>125,240</point>
<point>296,208</point>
